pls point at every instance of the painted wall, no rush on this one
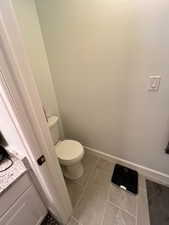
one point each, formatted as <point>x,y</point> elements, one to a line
<point>8,129</point>
<point>31,32</point>
<point>101,54</point>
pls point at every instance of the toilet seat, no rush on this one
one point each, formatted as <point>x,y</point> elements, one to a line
<point>69,152</point>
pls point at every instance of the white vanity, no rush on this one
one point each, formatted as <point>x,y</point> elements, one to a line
<point>20,203</point>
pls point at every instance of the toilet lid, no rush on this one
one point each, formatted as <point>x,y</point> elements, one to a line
<point>69,149</point>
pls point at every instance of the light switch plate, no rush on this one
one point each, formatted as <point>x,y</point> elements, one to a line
<point>154,83</point>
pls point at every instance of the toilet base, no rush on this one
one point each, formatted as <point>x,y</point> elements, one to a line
<point>73,172</point>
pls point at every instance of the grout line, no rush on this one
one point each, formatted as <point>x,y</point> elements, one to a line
<point>79,223</point>
<point>69,220</point>
<point>141,189</point>
<point>137,208</point>
<point>104,212</point>
<point>86,185</point>
<point>124,210</point>
<point>147,205</point>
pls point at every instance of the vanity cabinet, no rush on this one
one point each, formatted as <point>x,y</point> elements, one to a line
<point>21,204</point>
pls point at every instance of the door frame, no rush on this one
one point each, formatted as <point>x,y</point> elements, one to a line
<point>23,102</point>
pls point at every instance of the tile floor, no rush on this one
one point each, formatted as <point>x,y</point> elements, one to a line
<point>158,193</point>
<point>49,220</point>
<point>97,202</point>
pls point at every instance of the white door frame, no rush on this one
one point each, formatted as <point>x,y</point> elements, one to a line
<point>23,101</point>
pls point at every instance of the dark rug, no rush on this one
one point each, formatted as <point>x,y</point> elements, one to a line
<point>49,220</point>
<point>158,200</point>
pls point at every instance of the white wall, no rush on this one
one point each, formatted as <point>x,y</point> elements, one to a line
<point>31,32</point>
<point>9,130</point>
<point>101,54</point>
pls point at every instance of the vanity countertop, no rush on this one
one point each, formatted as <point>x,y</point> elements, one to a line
<point>9,176</point>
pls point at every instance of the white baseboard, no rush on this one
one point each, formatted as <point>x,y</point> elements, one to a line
<point>147,172</point>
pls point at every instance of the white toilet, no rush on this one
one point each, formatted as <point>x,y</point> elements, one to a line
<point>69,152</point>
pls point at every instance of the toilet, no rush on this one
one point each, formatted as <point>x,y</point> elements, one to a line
<point>69,152</point>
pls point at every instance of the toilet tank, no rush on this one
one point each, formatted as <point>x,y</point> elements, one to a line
<point>53,124</point>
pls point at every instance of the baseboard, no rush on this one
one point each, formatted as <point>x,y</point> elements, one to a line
<point>147,172</point>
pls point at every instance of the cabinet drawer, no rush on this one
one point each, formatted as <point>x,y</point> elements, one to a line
<point>27,210</point>
<point>13,193</point>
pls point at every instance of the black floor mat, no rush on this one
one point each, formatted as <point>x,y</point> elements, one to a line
<point>158,201</point>
<point>125,178</point>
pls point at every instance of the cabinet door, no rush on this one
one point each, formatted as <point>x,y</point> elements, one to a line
<point>27,210</point>
<point>10,196</point>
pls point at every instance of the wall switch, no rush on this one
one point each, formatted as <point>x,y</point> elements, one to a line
<point>154,83</point>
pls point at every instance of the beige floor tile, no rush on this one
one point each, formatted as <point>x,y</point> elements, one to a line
<point>105,165</point>
<point>90,209</point>
<point>115,216</point>
<point>73,221</point>
<point>100,177</point>
<point>75,191</point>
<point>142,183</point>
<point>97,201</point>
<point>89,162</point>
<point>124,200</point>
<point>142,209</point>
<point>76,187</point>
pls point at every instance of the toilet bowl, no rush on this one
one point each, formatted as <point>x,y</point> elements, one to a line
<point>70,154</point>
